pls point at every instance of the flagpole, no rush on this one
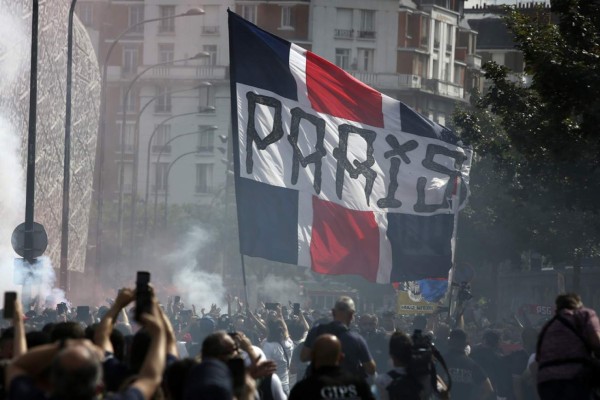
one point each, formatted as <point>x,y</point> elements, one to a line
<point>455,210</point>
<point>244,278</point>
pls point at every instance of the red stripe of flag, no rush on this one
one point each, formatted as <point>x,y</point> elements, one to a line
<point>344,241</point>
<point>332,91</point>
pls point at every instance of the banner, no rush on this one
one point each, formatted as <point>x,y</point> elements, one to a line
<point>406,306</point>
<point>332,174</point>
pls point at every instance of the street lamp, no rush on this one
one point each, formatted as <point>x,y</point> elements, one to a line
<point>202,109</point>
<point>195,11</point>
<point>136,145</point>
<point>136,159</point>
<point>64,237</point>
<point>199,132</point>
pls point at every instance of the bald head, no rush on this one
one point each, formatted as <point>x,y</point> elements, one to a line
<point>76,373</point>
<point>327,351</point>
<point>343,310</point>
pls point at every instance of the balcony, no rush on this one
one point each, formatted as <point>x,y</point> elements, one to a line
<point>388,81</point>
<point>366,35</point>
<point>159,148</point>
<point>344,33</point>
<point>210,30</point>
<point>474,61</point>
<point>446,89</point>
<point>205,72</point>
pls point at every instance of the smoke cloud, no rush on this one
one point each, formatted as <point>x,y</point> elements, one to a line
<point>194,284</point>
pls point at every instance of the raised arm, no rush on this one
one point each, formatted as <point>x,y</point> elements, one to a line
<point>150,375</point>
<point>102,334</point>
<point>19,341</point>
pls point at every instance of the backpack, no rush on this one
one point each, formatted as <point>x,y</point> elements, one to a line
<point>403,387</point>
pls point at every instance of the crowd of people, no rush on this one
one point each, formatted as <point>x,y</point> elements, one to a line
<point>278,352</point>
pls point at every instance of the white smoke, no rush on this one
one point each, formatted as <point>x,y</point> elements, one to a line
<point>12,56</point>
<point>279,290</point>
<point>195,285</point>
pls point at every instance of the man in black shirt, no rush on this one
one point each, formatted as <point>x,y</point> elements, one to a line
<point>469,381</point>
<point>357,358</point>
<point>328,380</point>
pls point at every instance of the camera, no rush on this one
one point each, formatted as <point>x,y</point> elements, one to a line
<point>422,365</point>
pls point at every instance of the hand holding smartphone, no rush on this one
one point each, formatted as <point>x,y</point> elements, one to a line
<point>143,294</point>
<point>9,304</point>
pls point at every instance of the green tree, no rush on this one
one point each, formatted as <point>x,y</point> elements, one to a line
<point>537,146</point>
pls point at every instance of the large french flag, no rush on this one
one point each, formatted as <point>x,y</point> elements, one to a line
<point>334,175</point>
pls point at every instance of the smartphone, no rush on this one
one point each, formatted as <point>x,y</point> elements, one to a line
<point>83,313</point>
<point>143,295</point>
<point>296,309</point>
<point>238,374</point>
<point>9,304</point>
<point>271,306</point>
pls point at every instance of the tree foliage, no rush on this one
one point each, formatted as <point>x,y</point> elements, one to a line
<point>536,178</point>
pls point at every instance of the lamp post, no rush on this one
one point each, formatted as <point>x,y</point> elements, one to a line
<point>199,132</point>
<point>167,184</point>
<point>136,145</point>
<point>102,126</point>
<point>136,159</point>
<point>64,237</point>
<point>202,109</point>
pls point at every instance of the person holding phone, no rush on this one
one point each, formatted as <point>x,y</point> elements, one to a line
<point>75,367</point>
<point>279,347</point>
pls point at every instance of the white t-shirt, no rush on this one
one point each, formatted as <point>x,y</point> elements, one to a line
<point>275,351</point>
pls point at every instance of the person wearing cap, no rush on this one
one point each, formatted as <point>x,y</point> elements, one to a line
<point>357,357</point>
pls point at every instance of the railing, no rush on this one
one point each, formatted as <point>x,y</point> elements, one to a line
<point>366,34</point>
<point>210,30</point>
<point>344,33</point>
<point>206,149</point>
<point>388,81</point>
<point>206,72</point>
<point>443,88</point>
<point>201,189</point>
<point>158,148</point>
<point>474,61</point>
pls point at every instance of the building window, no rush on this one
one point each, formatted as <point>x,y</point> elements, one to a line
<point>163,100</point>
<point>127,173</point>
<point>130,59</point>
<point>126,143</point>
<point>449,37</point>
<point>166,52</point>
<point>207,97</point>
<point>424,31</point>
<point>343,23</point>
<point>130,102</point>
<point>409,25</point>
<point>211,49</point>
<point>436,34</point>
<point>85,13</point>
<point>136,15</point>
<point>249,13</point>
<point>367,24</point>
<point>342,58</point>
<point>287,17</point>
<point>167,25</point>
<point>160,176</point>
<point>163,135</point>
<point>204,178</point>
<point>206,139</point>
<point>366,59</point>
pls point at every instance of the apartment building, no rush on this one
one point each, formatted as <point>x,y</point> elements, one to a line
<point>167,113</point>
